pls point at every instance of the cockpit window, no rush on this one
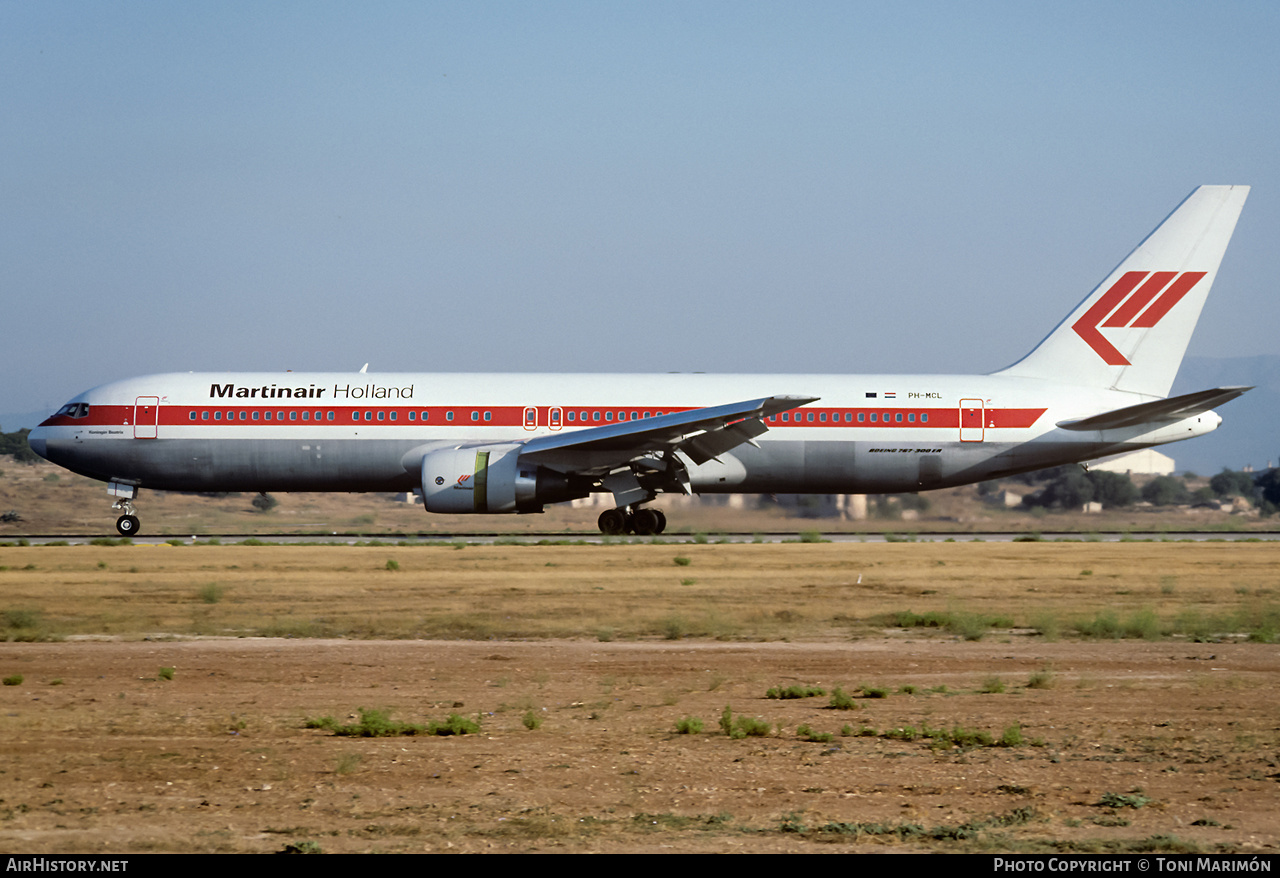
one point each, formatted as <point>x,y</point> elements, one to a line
<point>73,410</point>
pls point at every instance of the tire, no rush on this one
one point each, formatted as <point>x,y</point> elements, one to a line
<point>127,525</point>
<point>646,522</point>
<point>612,522</point>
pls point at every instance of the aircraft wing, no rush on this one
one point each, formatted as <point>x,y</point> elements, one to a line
<point>1162,411</point>
<point>701,434</point>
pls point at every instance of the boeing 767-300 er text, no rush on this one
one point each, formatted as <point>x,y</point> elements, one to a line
<point>1095,386</point>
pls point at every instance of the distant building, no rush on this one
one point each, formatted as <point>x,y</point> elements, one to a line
<point>1145,462</point>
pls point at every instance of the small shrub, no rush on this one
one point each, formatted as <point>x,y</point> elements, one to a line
<point>752,727</point>
<point>681,561</point>
<point>689,726</point>
<point>305,847</point>
<point>796,691</point>
<point>531,721</point>
<point>211,593</point>
<point>842,700</point>
<point>1042,679</point>
<point>264,502</point>
<point>393,564</point>
<point>454,725</point>
<point>14,680</point>
<point>962,737</point>
<point>1117,800</point>
<point>742,726</point>
<point>166,673</point>
<point>992,686</point>
<point>809,734</point>
<point>1012,737</point>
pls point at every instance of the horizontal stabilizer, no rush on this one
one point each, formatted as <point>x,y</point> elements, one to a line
<point>1162,411</point>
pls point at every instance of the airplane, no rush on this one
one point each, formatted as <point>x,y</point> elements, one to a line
<point>1096,385</point>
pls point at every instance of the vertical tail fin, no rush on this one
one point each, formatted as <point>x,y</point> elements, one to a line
<point>1131,332</point>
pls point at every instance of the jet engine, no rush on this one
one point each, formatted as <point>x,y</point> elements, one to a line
<point>490,479</point>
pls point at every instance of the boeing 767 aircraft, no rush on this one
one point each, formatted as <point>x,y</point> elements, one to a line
<point>496,443</point>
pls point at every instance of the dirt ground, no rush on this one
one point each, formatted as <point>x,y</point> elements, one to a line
<point>1126,745</point>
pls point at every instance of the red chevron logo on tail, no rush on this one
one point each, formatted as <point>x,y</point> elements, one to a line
<point>1129,304</point>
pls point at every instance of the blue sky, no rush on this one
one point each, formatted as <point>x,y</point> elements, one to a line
<point>608,186</point>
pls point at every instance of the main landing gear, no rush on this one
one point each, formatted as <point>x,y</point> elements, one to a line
<point>640,521</point>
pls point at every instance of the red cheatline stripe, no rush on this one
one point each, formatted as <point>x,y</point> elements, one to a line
<point>1135,303</point>
<point>1171,297</point>
<point>513,417</point>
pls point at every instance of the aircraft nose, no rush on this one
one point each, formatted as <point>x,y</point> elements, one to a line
<point>36,439</point>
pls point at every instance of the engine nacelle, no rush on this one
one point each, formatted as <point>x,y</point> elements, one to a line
<point>489,479</point>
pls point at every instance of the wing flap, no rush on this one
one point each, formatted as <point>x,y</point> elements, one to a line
<point>1162,411</point>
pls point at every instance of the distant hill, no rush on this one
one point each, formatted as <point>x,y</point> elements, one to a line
<point>1250,431</point>
<point>28,420</point>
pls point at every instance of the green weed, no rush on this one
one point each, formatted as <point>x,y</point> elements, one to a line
<point>796,691</point>
<point>689,726</point>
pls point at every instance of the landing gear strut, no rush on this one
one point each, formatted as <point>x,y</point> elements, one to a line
<point>639,521</point>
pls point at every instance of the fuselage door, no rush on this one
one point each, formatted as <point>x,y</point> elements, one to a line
<point>146,417</point>
<point>531,418</point>
<point>972,416</point>
<point>556,419</point>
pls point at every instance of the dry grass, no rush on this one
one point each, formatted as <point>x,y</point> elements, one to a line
<point>810,592</point>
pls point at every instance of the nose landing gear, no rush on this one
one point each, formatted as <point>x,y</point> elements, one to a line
<point>128,523</point>
<point>639,521</point>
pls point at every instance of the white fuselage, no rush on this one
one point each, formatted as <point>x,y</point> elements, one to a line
<point>369,432</point>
